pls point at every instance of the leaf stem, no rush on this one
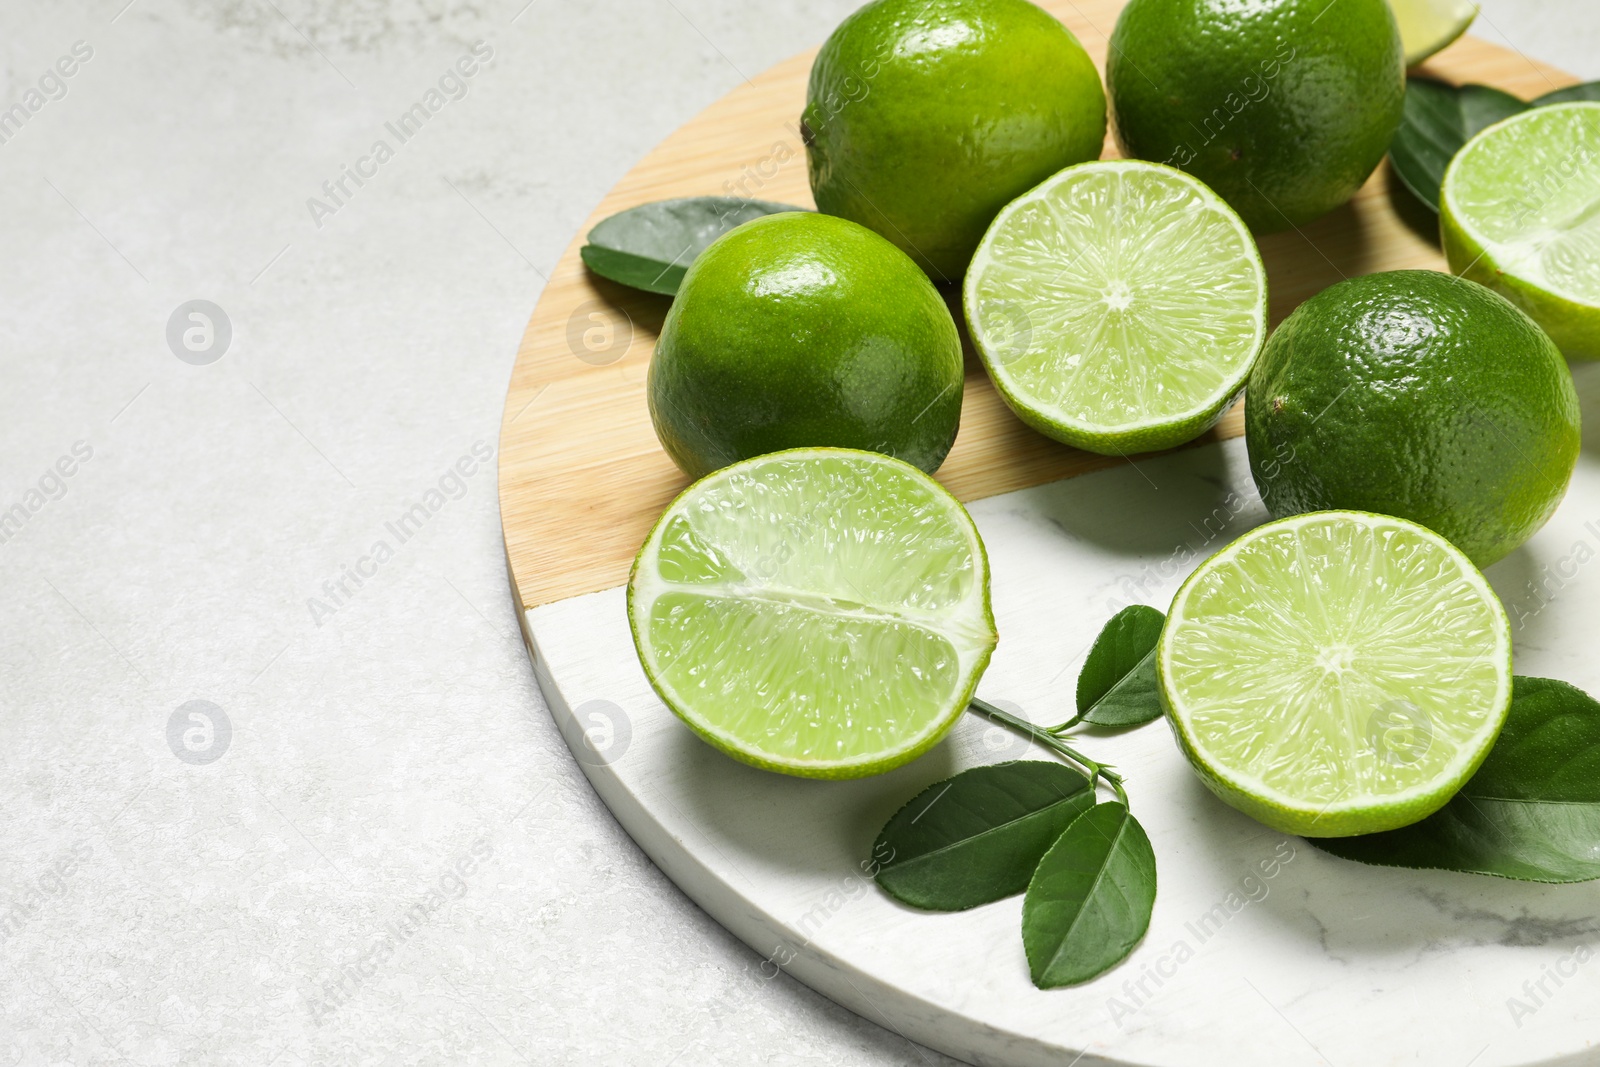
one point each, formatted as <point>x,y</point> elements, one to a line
<point>1049,739</point>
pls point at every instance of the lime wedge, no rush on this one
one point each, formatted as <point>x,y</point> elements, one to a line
<point>1427,26</point>
<point>1519,211</point>
<point>821,612</point>
<point>1336,673</point>
<point>1118,306</point>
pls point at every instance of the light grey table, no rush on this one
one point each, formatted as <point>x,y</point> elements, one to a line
<point>268,796</point>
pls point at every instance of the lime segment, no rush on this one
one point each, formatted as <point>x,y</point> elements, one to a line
<point>1427,26</point>
<point>1519,211</point>
<point>1118,306</point>
<point>820,612</point>
<point>1336,673</point>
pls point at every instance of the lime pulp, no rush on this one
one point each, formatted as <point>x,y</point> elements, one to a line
<point>1427,26</point>
<point>1519,211</point>
<point>1118,306</point>
<point>819,612</point>
<point>1336,673</point>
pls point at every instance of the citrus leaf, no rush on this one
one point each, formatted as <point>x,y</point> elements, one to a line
<point>639,272</point>
<point>1549,749</point>
<point>1133,701</point>
<point>1438,119</point>
<point>977,837</point>
<point>1089,902</point>
<point>1532,812</point>
<point>1571,94</point>
<point>651,246</point>
<point>1118,685</point>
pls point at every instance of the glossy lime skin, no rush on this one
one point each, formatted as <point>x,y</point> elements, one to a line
<point>802,330</point>
<point>1417,394</point>
<point>923,119</point>
<point>1284,107</point>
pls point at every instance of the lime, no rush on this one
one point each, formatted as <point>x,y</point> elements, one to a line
<point>1118,306</point>
<point>1520,212</point>
<point>923,119</point>
<point>1418,394</point>
<point>1427,26</point>
<point>1336,674</point>
<point>819,612</point>
<point>1284,107</point>
<point>800,329</point>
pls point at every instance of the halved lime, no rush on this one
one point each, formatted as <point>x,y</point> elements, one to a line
<point>1519,211</point>
<point>1427,26</point>
<point>821,612</point>
<point>1118,306</point>
<point>1336,673</point>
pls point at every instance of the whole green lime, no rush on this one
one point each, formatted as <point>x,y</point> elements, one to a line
<point>1284,107</point>
<point>1417,394</point>
<point>799,330</point>
<point>923,119</point>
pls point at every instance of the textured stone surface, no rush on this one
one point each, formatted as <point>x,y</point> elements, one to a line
<point>393,804</point>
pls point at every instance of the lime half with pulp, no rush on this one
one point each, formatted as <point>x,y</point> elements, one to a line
<point>1336,673</point>
<point>1118,306</point>
<point>820,612</point>
<point>1427,26</point>
<point>1519,211</point>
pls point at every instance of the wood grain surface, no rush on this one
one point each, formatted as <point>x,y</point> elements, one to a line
<point>581,474</point>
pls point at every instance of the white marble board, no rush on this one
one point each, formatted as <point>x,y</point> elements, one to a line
<point>1263,952</point>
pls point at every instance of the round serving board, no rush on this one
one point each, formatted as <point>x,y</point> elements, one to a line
<point>1262,951</point>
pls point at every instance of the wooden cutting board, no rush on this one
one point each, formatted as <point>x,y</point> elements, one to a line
<point>581,474</point>
<point>1321,961</point>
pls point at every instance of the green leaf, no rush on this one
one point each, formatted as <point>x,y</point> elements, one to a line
<point>1571,94</point>
<point>1439,118</point>
<point>977,837</point>
<point>1118,684</point>
<point>1089,902</point>
<point>651,246</point>
<point>1532,811</point>
<point>639,272</point>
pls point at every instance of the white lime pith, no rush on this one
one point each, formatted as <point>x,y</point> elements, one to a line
<point>1118,306</point>
<point>1336,673</point>
<point>1519,212</point>
<point>820,612</point>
